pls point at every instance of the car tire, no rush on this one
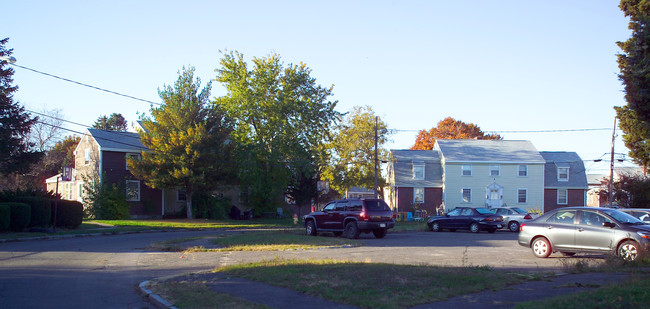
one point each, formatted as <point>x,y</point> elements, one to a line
<point>435,226</point>
<point>513,226</point>
<point>541,247</point>
<point>351,230</point>
<point>629,251</point>
<point>310,228</point>
<point>381,233</point>
<point>474,228</point>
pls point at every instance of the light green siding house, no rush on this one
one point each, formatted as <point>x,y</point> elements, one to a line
<point>491,173</point>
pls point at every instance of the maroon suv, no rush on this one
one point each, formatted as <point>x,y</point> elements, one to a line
<point>351,216</point>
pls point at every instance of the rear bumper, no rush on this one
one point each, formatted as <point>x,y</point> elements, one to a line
<point>365,225</point>
<point>491,225</point>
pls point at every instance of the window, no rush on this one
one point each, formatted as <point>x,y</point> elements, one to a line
<point>562,197</point>
<point>133,156</point>
<point>418,195</point>
<point>495,169</point>
<point>466,195</point>
<point>467,212</point>
<point>181,196</point>
<point>564,216</point>
<point>522,196</point>
<point>133,190</point>
<point>563,174</point>
<point>86,156</point>
<point>467,170</point>
<point>81,192</point>
<point>418,172</point>
<point>523,170</point>
<point>592,218</point>
<point>454,213</point>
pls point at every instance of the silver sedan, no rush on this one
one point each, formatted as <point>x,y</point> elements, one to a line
<point>586,229</point>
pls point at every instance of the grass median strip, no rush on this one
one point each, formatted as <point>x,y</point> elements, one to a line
<point>373,285</point>
<point>255,241</point>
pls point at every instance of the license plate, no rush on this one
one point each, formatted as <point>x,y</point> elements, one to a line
<point>382,225</point>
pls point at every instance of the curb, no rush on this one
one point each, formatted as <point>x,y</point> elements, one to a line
<point>153,298</point>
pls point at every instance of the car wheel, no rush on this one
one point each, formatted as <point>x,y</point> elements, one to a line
<point>435,227</point>
<point>381,233</point>
<point>337,234</point>
<point>351,230</point>
<point>629,251</point>
<point>310,229</point>
<point>513,226</point>
<point>541,247</point>
<point>568,253</point>
<point>474,227</point>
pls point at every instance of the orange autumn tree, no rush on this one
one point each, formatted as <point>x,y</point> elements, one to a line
<point>450,128</point>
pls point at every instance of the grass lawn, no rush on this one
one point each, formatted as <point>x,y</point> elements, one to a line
<point>367,285</point>
<point>632,294</point>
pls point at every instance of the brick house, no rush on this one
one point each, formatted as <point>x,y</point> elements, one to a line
<point>415,180</point>
<point>565,180</point>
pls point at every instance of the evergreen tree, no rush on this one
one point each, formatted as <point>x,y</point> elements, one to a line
<point>15,123</point>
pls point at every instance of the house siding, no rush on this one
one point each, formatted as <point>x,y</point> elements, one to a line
<point>508,178</point>
<point>432,198</point>
<point>575,197</point>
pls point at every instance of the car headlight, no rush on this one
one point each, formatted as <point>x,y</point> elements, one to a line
<point>644,234</point>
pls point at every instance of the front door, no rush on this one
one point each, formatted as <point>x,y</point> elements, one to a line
<point>494,196</point>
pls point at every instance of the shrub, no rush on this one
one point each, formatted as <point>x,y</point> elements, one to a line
<point>68,213</point>
<point>208,206</point>
<point>5,216</point>
<point>41,214</point>
<point>105,200</point>
<point>20,216</point>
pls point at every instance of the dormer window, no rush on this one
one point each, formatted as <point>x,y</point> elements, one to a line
<point>563,174</point>
<point>418,171</point>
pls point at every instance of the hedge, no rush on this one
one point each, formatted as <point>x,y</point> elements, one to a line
<point>68,213</point>
<point>41,214</point>
<point>5,216</point>
<point>20,215</point>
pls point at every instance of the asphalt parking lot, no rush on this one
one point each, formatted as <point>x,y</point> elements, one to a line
<point>499,250</point>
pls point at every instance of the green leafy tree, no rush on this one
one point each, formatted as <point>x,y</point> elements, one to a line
<point>188,139</point>
<point>15,124</point>
<point>634,64</point>
<point>353,151</point>
<point>104,200</point>
<point>114,122</point>
<point>282,119</point>
<point>450,128</point>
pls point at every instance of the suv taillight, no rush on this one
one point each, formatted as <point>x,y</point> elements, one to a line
<point>364,216</point>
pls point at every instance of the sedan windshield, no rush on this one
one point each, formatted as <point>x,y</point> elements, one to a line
<point>623,217</point>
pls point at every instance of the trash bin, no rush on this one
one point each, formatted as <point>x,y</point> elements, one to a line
<point>409,216</point>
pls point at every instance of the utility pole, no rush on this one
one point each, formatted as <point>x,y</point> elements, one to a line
<point>376,163</point>
<point>611,168</point>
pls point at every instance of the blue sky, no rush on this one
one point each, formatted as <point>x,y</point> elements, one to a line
<point>507,66</point>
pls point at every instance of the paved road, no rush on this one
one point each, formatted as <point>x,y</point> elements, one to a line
<point>103,271</point>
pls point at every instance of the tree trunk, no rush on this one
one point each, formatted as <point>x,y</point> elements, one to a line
<point>188,202</point>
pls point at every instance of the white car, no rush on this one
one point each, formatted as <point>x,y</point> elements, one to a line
<point>514,216</point>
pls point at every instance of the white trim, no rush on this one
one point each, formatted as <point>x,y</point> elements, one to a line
<point>526,196</point>
<point>462,170</point>
<point>416,188</point>
<point>498,169</point>
<point>462,196</point>
<point>566,202</point>
<point>567,174</point>
<point>519,170</point>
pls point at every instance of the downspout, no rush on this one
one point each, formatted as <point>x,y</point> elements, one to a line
<point>163,203</point>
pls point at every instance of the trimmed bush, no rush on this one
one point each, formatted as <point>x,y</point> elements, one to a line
<point>20,215</point>
<point>41,210</point>
<point>69,213</point>
<point>5,216</point>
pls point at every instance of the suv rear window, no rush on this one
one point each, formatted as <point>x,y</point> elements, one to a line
<point>376,206</point>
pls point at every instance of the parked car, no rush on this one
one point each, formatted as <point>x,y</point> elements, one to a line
<point>513,217</point>
<point>466,218</point>
<point>352,217</point>
<point>639,213</point>
<point>572,230</point>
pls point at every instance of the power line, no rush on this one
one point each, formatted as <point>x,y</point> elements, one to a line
<point>520,131</point>
<point>85,85</point>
